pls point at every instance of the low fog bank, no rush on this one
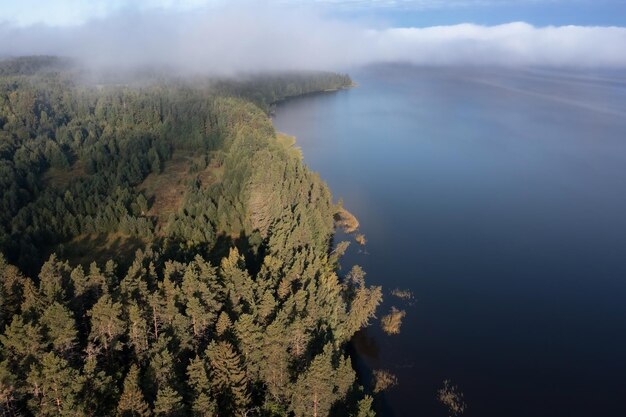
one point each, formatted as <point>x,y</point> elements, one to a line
<point>231,40</point>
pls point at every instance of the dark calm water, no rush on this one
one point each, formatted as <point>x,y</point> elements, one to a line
<point>499,199</point>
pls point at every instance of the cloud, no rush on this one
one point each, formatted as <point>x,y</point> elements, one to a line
<point>74,12</point>
<point>508,44</point>
<point>235,39</point>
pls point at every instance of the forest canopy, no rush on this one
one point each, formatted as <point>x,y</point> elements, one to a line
<point>163,253</point>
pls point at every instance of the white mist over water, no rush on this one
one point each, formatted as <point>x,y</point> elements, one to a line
<point>246,37</point>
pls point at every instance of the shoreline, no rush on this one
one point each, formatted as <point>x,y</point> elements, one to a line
<point>274,104</point>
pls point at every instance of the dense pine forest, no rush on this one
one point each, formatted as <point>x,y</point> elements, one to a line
<point>166,253</point>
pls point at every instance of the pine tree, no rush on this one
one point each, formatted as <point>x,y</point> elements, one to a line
<point>60,328</point>
<point>315,390</point>
<point>201,304</point>
<point>22,343</point>
<point>203,405</point>
<point>100,282</point>
<point>344,377</point>
<point>161,369</point>
<point>223,324</point>
<point>54,280</point>
<point>81,289</point>
<point>107,325</point>
<point>132,402</point>
<point>79,281</point>
<point>55,386</point>
<point>237,280</point>
<point>137,330</point>
<point>100,392</point>
<point>267,305</point>
<point>229,380</point>
<point>299,339</point>
<point>274,364</point>
<point>365,407</point>
<point>362,308</point>
<point>168,403</point>
<point>33,303</point>
<point>250,337</point>
<point>11,290</point>
<point>9,391</point>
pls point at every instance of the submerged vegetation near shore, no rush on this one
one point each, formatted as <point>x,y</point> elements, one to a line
<point>383,380</point>
<point>402,294</point>
<point>345,220</point>
<point>392,322</point>
<point>204,284</point>
<point>450,396</point>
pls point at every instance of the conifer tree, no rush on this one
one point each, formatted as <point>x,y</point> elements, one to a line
<point>100,392</point>
<point>250,336</point>
<point>201,304</point>
<point>60,328</point>
<point>132,402</point>
<point>54,280</point>
<point>203,405</point>
<point>9,391</point>
<point>79,281</point>
<point>362,307</point>
<point>316,390</point>
<point>22,343</point>
<point>223,324</point>
<point>228,378</point>
<point>238,283</point>
<point>168,403</point>
<point>267,305</point>
<point>298,339</point>
<point>274,363</point>
<point>11,290</point>
<point>56,387</point>
<point>33,303</point>
<point>137,330</point>
<point>107,325</point>
<point>365,407</point>
<point>161,368</point>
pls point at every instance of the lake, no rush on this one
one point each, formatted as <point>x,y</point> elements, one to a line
<point>498,197</point>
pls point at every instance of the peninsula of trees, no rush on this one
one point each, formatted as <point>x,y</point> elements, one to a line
<point>164,254</point>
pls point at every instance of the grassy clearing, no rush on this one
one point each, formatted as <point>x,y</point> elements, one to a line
<point>166,191</point>
<point>213,173</point>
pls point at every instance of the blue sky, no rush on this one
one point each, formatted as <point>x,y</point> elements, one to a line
<point>493,12</point>
<point>405,13</point>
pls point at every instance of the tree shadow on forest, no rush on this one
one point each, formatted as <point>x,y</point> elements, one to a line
<point>250,247</point>
<point>100,248</point>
